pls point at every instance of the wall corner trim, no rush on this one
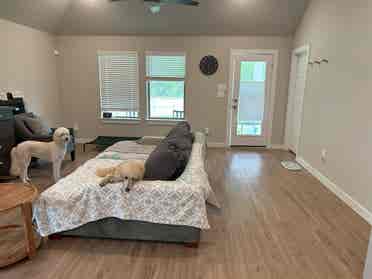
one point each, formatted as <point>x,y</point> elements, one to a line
<point>341,194</point>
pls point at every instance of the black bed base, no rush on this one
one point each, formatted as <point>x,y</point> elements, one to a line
<point>114,228</point>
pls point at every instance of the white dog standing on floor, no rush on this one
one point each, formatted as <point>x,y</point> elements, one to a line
<point>54,152</point>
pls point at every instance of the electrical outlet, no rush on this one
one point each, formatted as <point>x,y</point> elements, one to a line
<point>206,131</point>
<point>323,155</point>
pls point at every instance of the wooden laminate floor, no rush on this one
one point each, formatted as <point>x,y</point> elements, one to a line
<point>273,224</point>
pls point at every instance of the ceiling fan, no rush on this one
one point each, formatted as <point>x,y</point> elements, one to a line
<point>154,5</point>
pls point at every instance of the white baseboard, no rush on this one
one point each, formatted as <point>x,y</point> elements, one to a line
<point>345,197</point>
<point>83,140</point>
<point>223,145</point>
<point>210,144</point>
<point>278,146</point>
<point>216,144</point>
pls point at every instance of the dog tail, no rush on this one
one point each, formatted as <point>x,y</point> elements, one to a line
<point>102,172</point>
<point>14,168</point>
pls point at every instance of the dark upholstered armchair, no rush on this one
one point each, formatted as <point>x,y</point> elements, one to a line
<point>24,133</point>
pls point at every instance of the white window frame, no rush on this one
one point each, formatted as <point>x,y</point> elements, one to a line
<point>148,78</point>
<point>118,120</point>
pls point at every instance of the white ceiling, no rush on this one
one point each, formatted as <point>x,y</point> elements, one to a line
<point>212,17</point>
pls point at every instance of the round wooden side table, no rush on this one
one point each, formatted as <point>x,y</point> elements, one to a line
<point>14,195</point>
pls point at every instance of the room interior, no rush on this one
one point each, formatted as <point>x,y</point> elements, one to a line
<point>93,66</point>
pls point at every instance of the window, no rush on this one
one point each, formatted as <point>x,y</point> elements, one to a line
<point>118,76</point>
<point>165,85</point>
<point>253,71</point>
<point>251,98</point>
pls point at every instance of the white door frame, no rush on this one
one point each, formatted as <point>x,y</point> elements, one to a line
<point>295,53</point>
<point>272,93</point>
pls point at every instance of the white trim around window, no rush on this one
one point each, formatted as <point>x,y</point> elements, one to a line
<point>160,73</point>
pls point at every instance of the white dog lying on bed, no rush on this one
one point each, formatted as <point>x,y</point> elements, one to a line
<point>128,172</point>
<point>54,152</point>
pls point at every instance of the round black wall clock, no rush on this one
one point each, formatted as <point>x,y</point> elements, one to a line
<point>208,65</point>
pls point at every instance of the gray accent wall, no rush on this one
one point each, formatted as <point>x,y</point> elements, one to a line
<point>338,98</point>
<point>28,67</point>
<point>78,77</point>
<point>64,89</point>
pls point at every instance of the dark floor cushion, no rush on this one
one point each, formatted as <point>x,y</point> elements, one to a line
<point>170,157</point>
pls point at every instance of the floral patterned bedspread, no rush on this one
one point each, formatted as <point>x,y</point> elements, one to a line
<point>78,199</point>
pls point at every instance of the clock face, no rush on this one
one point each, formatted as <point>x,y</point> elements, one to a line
<point>208,65</point>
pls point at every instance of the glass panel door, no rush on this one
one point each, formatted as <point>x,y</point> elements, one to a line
<point>251,104</point>
<point>250,99</point>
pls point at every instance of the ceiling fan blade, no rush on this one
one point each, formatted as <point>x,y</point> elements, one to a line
<point>182,2</point>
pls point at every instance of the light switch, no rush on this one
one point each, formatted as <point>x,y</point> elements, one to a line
<point>222,87</point>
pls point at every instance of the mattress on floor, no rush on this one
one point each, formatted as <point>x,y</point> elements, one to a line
<point>77,199</point>
<point>113,228</point>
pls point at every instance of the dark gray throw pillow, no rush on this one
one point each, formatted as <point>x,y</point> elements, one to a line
<point>161,164</point>
<point>37,126</point>
<point>182,128</point>
<point>34,124</point>
<point>170,157</point>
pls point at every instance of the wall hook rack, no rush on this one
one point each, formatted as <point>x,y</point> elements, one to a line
<point>319,62</point>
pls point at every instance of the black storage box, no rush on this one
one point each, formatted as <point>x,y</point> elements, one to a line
<point>7,138</point>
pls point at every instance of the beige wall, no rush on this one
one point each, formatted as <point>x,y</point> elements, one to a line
<point>79,83</point>
<point>337,105</point>
<point>28,65</point>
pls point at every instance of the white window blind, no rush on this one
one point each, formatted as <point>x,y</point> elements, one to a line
<point>165,65</point>
<point>118,73</point>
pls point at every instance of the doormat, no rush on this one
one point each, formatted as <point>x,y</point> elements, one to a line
<point>292,166</point>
